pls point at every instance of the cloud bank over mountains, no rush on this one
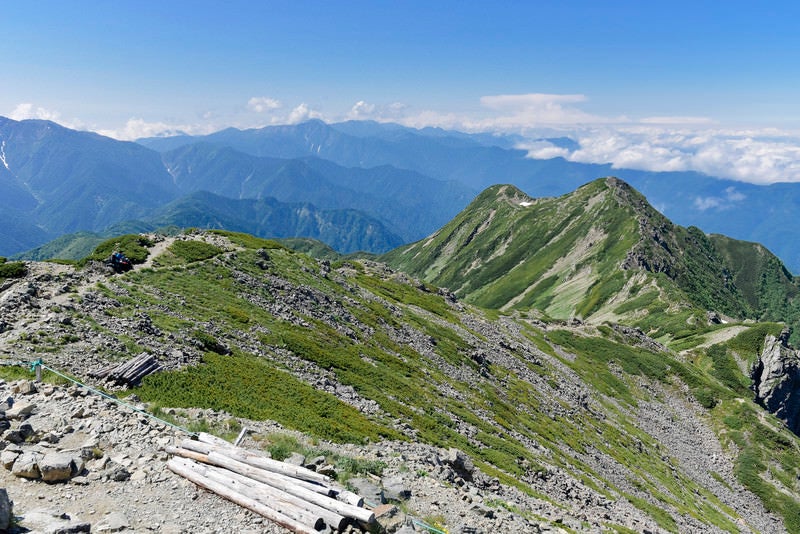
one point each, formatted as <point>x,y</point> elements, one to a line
<point>655,143</point>
<point>753,156</point>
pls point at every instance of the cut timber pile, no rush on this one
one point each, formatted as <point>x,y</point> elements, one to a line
<point>131,372</point>
<point>294,497</point>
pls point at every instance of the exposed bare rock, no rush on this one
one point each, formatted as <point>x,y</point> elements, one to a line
<point>776,381</point>
<point>57,467</point>
<point>6,513</point>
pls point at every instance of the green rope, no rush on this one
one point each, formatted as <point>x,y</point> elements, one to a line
<point>415,521</point>
<point>39,363</point>
<point>428,527</point>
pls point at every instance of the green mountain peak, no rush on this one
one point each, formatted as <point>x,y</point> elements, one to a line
<point>600,253</point>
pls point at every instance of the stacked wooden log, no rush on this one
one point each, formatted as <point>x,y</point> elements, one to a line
<point>296,498</point>
<point>129,373</point>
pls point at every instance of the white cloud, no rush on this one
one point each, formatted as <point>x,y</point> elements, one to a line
<point>732,197</point>
<point>302,113</point>
<point>260,104</point>
<point>529,101</point>
<point>676,121</point>
<point>706,203</point>
<point>760,157</point>
<point>26,110</point>
<point>534,110</point>
<point>541,149</point>
<point>361,110</point>
<point>136,128</point>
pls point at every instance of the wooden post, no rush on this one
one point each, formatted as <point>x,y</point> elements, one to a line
<point>239,439</point>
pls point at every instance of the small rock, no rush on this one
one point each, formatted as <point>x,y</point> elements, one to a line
<point>114,522</point>
<point>25,387</point>
<point>20,411</point>
<point>117,472</point>
<point>296,459</point>
<point>27,465</point>
<point>327,470</point>
<point>8,457</point>
<point>460,463</point>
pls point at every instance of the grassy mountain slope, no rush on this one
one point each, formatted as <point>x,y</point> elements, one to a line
<point>770,289</point>
<point>585,420</point>
<point>580,255</point>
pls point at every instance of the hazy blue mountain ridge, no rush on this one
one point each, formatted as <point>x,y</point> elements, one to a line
<point>385,192</point>
<point>59,180</point>
<point>765,214</point>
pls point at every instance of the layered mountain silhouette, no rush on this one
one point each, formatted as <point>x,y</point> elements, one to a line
<point>54,180</point>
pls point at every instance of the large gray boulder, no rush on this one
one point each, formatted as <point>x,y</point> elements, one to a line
<point>57,466</point>
<point>52,520</point>
<point>20,410</point>
<point>395,489</point>
<point>372,493</point>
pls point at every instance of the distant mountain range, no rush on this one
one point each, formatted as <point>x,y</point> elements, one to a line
<point>400,182</point>
<point>764,214</point>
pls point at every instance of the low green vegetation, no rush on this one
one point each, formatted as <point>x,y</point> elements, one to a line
<point>134,246</point>
<point>249,241</point>
<point>193,250</point>
<point>281,445</point>
<point>12,269</point>
<point>249,387</point>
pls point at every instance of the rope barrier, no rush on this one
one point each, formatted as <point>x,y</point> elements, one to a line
<point>428,527</point>
<point>415,521</point>
<point>40,364</point>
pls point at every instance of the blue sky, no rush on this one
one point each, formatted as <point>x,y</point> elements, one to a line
<point>614,74</point>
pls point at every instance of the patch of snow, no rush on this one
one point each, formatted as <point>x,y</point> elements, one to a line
<point>3,154</point>
<point>526,204</point>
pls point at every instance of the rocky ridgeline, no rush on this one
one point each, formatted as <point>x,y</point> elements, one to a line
<point>74,461</point>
